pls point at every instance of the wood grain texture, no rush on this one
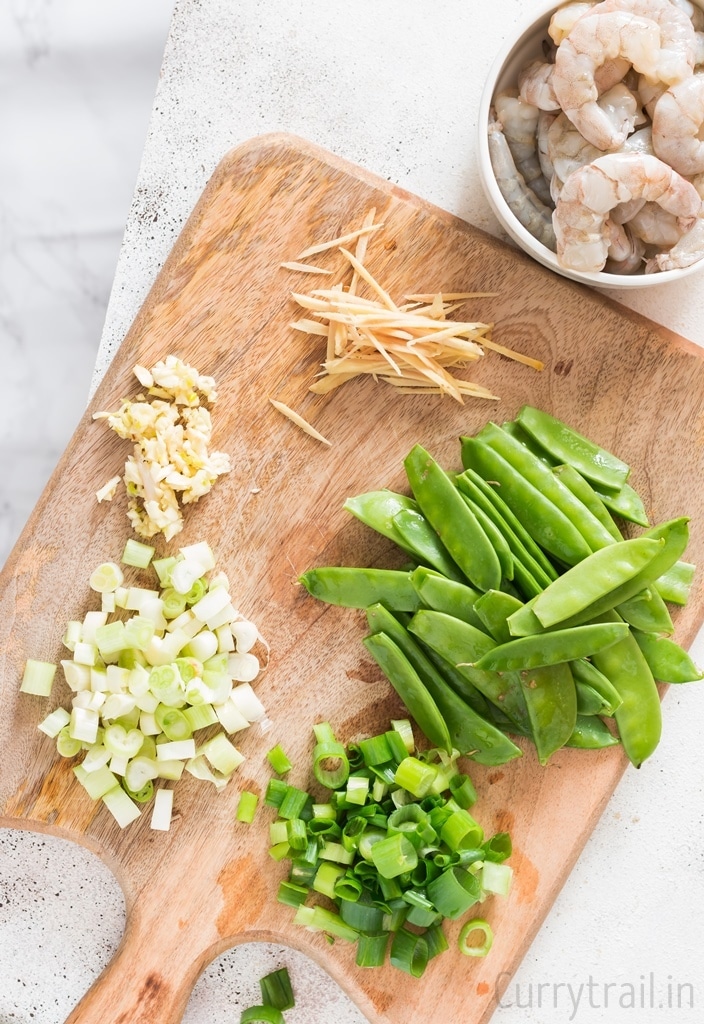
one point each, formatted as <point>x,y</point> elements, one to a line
<point>222,302</point>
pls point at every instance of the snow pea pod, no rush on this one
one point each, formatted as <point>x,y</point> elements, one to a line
<point>675,584</point>
<point>418,534</point>
<point>548,483</point>
<point>521,542</point>
<point>584,491</point>
<point>496,538</point>
<point>647,611</point>
<point>527,572</point>
<point>443,595</point>
<point>639,717</point>
<point>668,662</point>
<point>494,608</point>
<point>567,445</point>
<point>552,648</point>
<point>551,699</point>
<point>377,509</point>
<point>587,673</point>
<point>589,702</point>
<point>549,526</point>
<point>452,520</point>
<point>594,578</point>
<point>470,733</point>
<point>625,503</point>
<point>353,587</point>
<point>459,643</point>
<point>590,733</point>
<point>410,688</point>
<point>674,533</point>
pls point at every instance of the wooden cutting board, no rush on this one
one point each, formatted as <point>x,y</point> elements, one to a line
<point>223,303</point>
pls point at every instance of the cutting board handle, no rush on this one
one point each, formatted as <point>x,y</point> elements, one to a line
<point>148,981</point>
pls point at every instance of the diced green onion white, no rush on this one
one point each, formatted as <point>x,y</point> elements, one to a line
<point>148,674</point>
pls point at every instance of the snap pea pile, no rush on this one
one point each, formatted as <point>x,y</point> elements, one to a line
<point>524,612</point>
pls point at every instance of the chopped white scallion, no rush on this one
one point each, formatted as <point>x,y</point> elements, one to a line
<point>163,809</point>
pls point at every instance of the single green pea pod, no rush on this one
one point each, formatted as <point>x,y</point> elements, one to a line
<point>584,491</point>
<point>551,700</point>
<point>548,525</point>
<point>410,688</point>
<point>647,611</point>
<point>589,702</point>
<point>548,483</point>
<point>587,673</point>
<point>459,643</point>
<point>668,662</point>
<point>514,428</point>
<point>676,584</point>
<point>639,717</point>
<point>594,578</point>
<point>567,445</point>
<point>496,538</point>
<point>470,734</point>
<point>418,534</point>
<point>443,595</point>
<point>352,587</point>
<point>552,648</point>
<point>452,520</point>
<point>625,503</point>
<point>674,533</point>
<point>494,608</point>
<point>377,509</point>
<point>590,733</point>
<point>520,541</point>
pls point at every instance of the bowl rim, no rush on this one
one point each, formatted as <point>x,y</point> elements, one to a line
<point>509,222</point>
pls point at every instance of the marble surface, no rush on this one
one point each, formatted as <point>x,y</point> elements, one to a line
<point>393,87</point>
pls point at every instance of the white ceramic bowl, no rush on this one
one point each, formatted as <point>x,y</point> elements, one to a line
<point>521,47</point>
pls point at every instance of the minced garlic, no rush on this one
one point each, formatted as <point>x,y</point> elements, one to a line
<point>171,431</point>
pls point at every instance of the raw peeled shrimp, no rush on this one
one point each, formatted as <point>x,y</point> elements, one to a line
<point>678,119</point>
<point>659,45</point>
<point>632,261</point>
<point>687,251</point>
<point>678,43</point>
<point>519,121</point>
<point>533,214</point>
<point>593,191</point>
<point>567,147</point>
<point>565,17</point>
<point>535,85</point>
<point>655,226</point>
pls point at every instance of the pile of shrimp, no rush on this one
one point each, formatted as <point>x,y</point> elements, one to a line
<point>599,150</point>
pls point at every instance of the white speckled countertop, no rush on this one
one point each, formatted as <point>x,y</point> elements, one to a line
<point>393,87</point>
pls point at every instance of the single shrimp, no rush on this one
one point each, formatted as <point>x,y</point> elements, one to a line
<point>693,11</point>
<point>565,17</point>
<point>590,194</point>
<point>519,121</point>
<point>632,261</point>
<point>533,214</point>
<point>535,85</point>
<point>689,250</point>
<point>659,46</point>
<point>678,121</point>
<point>655,226</point>
<point>678,44</point>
